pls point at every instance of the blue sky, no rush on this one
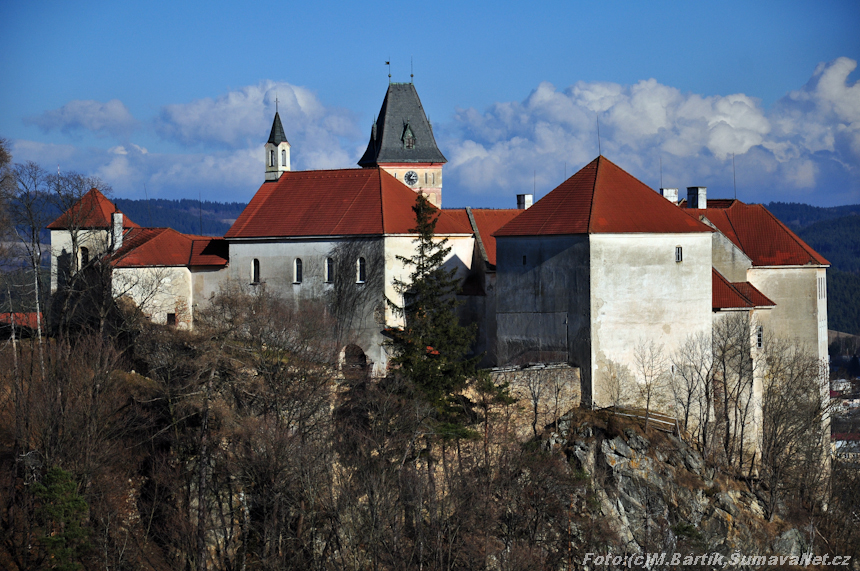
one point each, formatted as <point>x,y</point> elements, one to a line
<point>175,99</point>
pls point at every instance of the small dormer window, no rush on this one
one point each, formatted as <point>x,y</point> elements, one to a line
<point>408,138</point>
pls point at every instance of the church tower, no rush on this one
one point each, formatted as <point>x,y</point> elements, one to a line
<point>277,151</point>
<point>402,143</point>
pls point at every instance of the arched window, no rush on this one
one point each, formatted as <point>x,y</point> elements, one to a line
<point>272,158</point>
<point>283,157</point>
<point>329,270</point>
<point>297,271</point>
<point>361,271</point>
<point>85,256</point>
<point>255,271</point>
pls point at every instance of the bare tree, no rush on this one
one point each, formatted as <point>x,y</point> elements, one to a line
<point>692,385</point>
<point>356,302</point>
<point>795,427</point>
<point>620,384</point>
<point>651,369</point>
<point>735,371</point>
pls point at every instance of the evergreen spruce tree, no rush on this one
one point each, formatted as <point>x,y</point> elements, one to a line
<point>432,349</point>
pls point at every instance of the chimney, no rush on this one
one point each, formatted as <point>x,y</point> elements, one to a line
<point>697,197</point>
<point>670,194</point>
<point>524,201</point>
<point>116,231</point>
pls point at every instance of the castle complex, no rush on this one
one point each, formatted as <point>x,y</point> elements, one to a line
<point>581,277</point>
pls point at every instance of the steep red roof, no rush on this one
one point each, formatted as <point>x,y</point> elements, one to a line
<point>167,247</point>
<point>489,221</point>
<point>761,236</point>
<point>93,210</point>
<point>601,198</point>
<point>345,202</point>
<point>736,295</point>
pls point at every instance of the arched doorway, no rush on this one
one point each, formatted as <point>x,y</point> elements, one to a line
<point>354,360</point>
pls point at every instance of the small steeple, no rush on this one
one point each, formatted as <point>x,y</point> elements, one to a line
<point>277,151</point>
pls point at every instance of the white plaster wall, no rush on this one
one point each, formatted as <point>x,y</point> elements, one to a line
<point>640,293</point>
<point>157,291</point>
<point>276,265</point>
<point>458,259</point>
<point>97,241</point>
<point>206,283</point>
<point>729,260</point>
<point>799,313</point>
<point>277,260</point>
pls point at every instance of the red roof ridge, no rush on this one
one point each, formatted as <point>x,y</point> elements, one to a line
<point>98,214</point>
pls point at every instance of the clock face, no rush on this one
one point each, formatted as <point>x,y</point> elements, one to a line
<point>410,178</point>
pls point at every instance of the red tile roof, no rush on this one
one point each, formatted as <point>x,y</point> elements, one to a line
<point>93,210</point>
<point>737,295</point>
<point>488,222</point>
<point>209,252</point>
<point>21,319</point>
<point>601,198</point>
<point>143,247</point>
<point>766,240</point>
<point>347,202</point>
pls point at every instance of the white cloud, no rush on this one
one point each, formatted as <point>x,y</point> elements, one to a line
<point>242,119</point>
<point>102,119</point>
<point>793,145</point>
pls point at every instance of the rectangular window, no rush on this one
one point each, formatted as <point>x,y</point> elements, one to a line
<point>759,337</point>
<point>297,271</point>
<point>255,271</point>
<point>524,260</point>
<point>171,319</point>
<point>679,254</point>
<point>329,270</point>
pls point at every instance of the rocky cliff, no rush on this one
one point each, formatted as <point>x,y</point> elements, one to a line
<point>656,494</point>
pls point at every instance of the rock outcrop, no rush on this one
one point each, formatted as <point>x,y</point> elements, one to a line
<point>657,494</point>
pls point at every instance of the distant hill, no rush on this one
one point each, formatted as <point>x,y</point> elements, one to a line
<point>183,215</point>
<point>797,216</point>
<point>835,234</point>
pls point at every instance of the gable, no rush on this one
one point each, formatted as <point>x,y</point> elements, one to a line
<point>93,210</point>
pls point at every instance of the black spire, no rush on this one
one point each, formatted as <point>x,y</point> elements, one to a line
<point>277,136</point>
<point>402,134</point>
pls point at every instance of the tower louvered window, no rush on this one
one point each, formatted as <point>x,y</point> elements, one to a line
<point>408,138</point>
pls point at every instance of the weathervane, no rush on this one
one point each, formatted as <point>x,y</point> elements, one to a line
<point>276,102</point>
<point>388,63</point>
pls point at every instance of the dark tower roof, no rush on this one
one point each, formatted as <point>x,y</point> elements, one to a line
<point>277,136</point>
<point>402,133</point>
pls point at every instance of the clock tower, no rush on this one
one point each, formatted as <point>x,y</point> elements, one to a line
<point>402,143</point>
